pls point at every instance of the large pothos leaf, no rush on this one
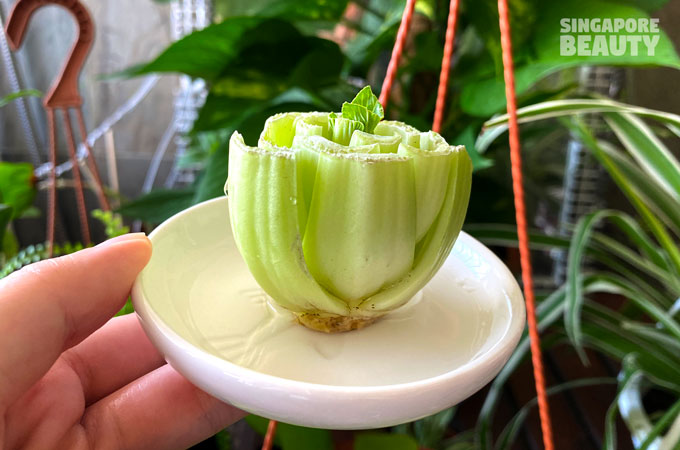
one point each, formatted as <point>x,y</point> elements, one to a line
<point>158,205</point>
<point>255,51</point>
<point>541,56</point>
<point>299,10</point>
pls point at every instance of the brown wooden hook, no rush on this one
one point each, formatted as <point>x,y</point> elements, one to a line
<point>64,91</point>
<point>64,96</point>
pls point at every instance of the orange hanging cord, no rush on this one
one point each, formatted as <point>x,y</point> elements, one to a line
<point>520,217</point>
<point>446,65</point>
<point>517,182</point>
<point>396,52</point>
<point>269,436</point>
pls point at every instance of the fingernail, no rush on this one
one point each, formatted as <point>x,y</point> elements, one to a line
<point>123,238</point>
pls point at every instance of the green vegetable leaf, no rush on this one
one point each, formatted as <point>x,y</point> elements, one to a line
<point>368,100</point>
<point>156,206</point>
<point>363,113</point>
<point>365,108</point>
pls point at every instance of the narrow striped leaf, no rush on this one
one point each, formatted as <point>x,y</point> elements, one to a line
<point>652,155</point>
<point>654,224</point>
<point>509,433</point>
<point>672,413</point>
<point>659,201</point>
<point>496,126</point>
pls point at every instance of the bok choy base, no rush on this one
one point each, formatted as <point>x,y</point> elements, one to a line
<point>340,225</point>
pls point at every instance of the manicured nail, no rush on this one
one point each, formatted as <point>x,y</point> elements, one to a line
<point>123,238</point>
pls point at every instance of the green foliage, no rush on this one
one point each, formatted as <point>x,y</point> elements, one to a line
<point>17,186</point>
<point>430,431</point>
<point>158,205</point>
<point>384,441</point>
<point>223,440</point>
<point>644,268</point>
<point>17,192</point>
<point>6,213</point>
<point>35,253</point>
<point>538,54</point>
<point>112,222</point>
<point>318,11</point>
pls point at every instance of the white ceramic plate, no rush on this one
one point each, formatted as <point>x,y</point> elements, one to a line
<point>203,310</point>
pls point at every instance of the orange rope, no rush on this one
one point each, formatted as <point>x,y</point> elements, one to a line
<point>52,194</point>
<point>103,201</point>
<point>446,64</point>
<point>520,217</point>
<point>396,52</point>
<point>269,437</point>
<point>80,194</point>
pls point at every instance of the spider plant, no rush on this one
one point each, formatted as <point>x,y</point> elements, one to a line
<point>642,267</point>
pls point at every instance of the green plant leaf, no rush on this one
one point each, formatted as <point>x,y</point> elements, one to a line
<point>570,107</point>
<point>211,183</point>
<point>574,284</point>
<point>467,138</point>
<point>654,224</point>
<point>486,96</point>
<point>17,186</point>
<point>621,286</point>
<point>158,205</point>
<point>509,433</point>
<point>630,374</point>
<point>548,312</point>
<point>7,99</point>
<point>113,223</point>
<point>652,155</point>
<point>668,417</point>
<point>577,251</point>
<point>300,10</point>
<point>384,441</point>
<point>255,53</point>
<point>225,112</point>
<point>430,431</point>
<point>202,54</point>
<point>6,213</point>
<point>654,196</point>
<point>602,331</point>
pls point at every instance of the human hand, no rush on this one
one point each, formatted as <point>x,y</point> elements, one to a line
<point>71,378</point>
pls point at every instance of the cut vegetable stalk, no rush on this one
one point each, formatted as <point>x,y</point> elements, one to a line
<point>343,218</point>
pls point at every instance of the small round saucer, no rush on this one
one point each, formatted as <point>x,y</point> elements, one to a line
<point>204,311</point>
